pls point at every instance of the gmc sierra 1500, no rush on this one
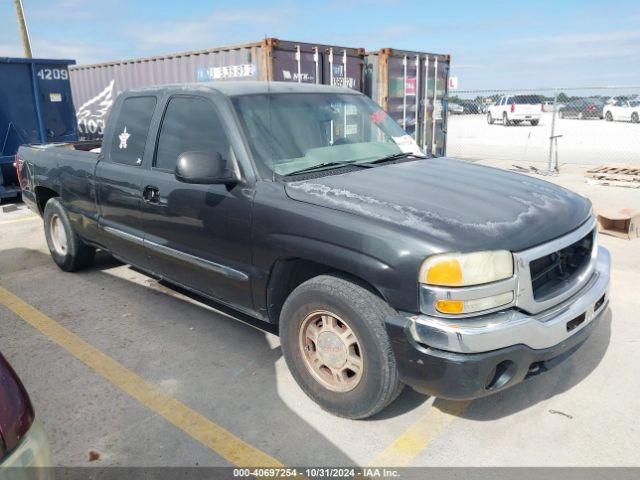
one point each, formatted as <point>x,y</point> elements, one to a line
<point>308,207</point>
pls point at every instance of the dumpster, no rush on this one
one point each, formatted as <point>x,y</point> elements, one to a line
<point>35,107</point>
<point>412,88</point>
<point>95,87</point>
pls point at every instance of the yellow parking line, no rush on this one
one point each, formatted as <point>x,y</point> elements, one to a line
<point>419,435</point>
<point>218,439</point>
<point>23,219</point>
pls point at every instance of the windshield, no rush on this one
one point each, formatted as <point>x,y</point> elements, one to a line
<point>289,132</point>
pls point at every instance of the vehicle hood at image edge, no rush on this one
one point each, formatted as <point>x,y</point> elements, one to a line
<point>456,205</point>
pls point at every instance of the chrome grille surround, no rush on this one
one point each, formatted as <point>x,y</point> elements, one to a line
<point>524,298</point>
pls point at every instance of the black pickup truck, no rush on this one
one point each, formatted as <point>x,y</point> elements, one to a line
<point>306,206</point>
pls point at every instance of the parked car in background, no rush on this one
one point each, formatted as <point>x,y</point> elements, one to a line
<point>470,108</point>
<point>623,110</point>
<point>515,109</point>
<point>22,439</point>
<point>582,108</point>
<point>455,108</point>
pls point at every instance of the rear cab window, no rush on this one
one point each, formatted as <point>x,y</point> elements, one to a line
<point>527,100</point>
<point>131,130</point>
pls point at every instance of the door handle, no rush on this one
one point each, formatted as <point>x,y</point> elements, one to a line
<point>151,194</point>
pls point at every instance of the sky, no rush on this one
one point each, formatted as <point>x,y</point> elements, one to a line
<point>494,44</point>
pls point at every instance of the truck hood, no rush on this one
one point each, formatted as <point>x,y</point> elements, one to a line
<point>455,205</point>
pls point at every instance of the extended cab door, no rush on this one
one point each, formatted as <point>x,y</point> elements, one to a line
<point>120,176</point>
<point>198,236</point>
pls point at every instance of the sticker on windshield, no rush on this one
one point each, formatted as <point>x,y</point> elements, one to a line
<point>124,137</point>
<point>378,116</point>
<point>407,144</point>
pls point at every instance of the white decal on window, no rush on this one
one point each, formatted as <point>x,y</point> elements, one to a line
<point>407,144</point>
<point>124,136</point>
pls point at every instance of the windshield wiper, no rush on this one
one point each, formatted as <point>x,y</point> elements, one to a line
<point>321,166</point>
<point>394,156</point>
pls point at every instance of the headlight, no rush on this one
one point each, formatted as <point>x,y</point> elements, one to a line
<point>466,269</point>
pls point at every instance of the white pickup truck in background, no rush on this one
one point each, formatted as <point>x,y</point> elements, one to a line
<point>514,109</point>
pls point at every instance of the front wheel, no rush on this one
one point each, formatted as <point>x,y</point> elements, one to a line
<point>489,118</point>
<point>67,249</point>
<point>335,343</point>
<point>505,120</point>
<point>535,122</point>
<point>608,117</point>
<point>635,118</point>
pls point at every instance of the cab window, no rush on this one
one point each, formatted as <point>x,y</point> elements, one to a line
<point>189,124</point>
<point>131,130</point>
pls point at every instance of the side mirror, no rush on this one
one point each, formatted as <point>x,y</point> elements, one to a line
<point>206,168</point>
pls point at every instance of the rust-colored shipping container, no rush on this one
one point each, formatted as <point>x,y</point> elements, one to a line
<point>412,88</point>
<point>95,87</point>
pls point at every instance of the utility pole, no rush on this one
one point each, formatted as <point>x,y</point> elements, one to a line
<point>22,25</point>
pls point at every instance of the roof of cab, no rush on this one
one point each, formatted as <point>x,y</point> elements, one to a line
<point>232,88</point>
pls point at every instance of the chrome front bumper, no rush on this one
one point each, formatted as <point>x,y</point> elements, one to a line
<point>514,327</point>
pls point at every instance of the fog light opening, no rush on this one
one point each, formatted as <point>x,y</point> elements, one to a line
<point>500,375</point>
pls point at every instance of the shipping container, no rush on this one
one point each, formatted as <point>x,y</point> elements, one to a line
<point>36,106</point>
<point>412,88</point>
<point>95,87</point>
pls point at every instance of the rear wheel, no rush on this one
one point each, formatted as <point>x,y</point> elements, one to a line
<point>634,117</point>
<point>67,249</point>
<point>535,122</point>
<point>505,120</point>
<point>608,117</point>
<point>489,118</point>
<point>336,346</point>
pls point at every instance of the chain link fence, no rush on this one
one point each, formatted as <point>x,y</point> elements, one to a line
<point>590,125</point>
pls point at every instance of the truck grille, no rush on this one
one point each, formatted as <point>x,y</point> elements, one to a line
<point>553,272</point>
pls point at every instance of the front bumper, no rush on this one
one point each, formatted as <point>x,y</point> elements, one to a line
<point>470,358</point>
<point>33,451</point>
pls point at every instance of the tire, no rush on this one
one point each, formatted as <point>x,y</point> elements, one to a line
<point>635,118</point>
<point>516,122</point>
<point>311,310</point>
<point>489,118</point>
<point>535,123</point>
<point>505,120</point>
<point>67,249</point>
<point>608,117</point>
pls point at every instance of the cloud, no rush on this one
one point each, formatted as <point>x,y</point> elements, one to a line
<point>221,27</point>
<point>81,53</point>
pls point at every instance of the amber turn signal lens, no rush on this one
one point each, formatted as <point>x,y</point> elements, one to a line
<point>449,306</point>
<point>445,272</point>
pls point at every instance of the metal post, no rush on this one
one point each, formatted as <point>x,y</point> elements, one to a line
<point>552,136</point>
<point>298,59</point>
<point>425,103</point>
<point>404,93</point>
<point>22,25</point>
<point>417,102</point>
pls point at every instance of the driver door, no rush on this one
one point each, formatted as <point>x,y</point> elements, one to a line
<point>198,236</point>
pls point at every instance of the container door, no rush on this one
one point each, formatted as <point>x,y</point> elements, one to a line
<point>402,100</point>
<point>442,91</point>
<point>296,65</point>
<point>436,70</point>
<point>18,119</point>
<point>342,69</point>
<point>56,104</point>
